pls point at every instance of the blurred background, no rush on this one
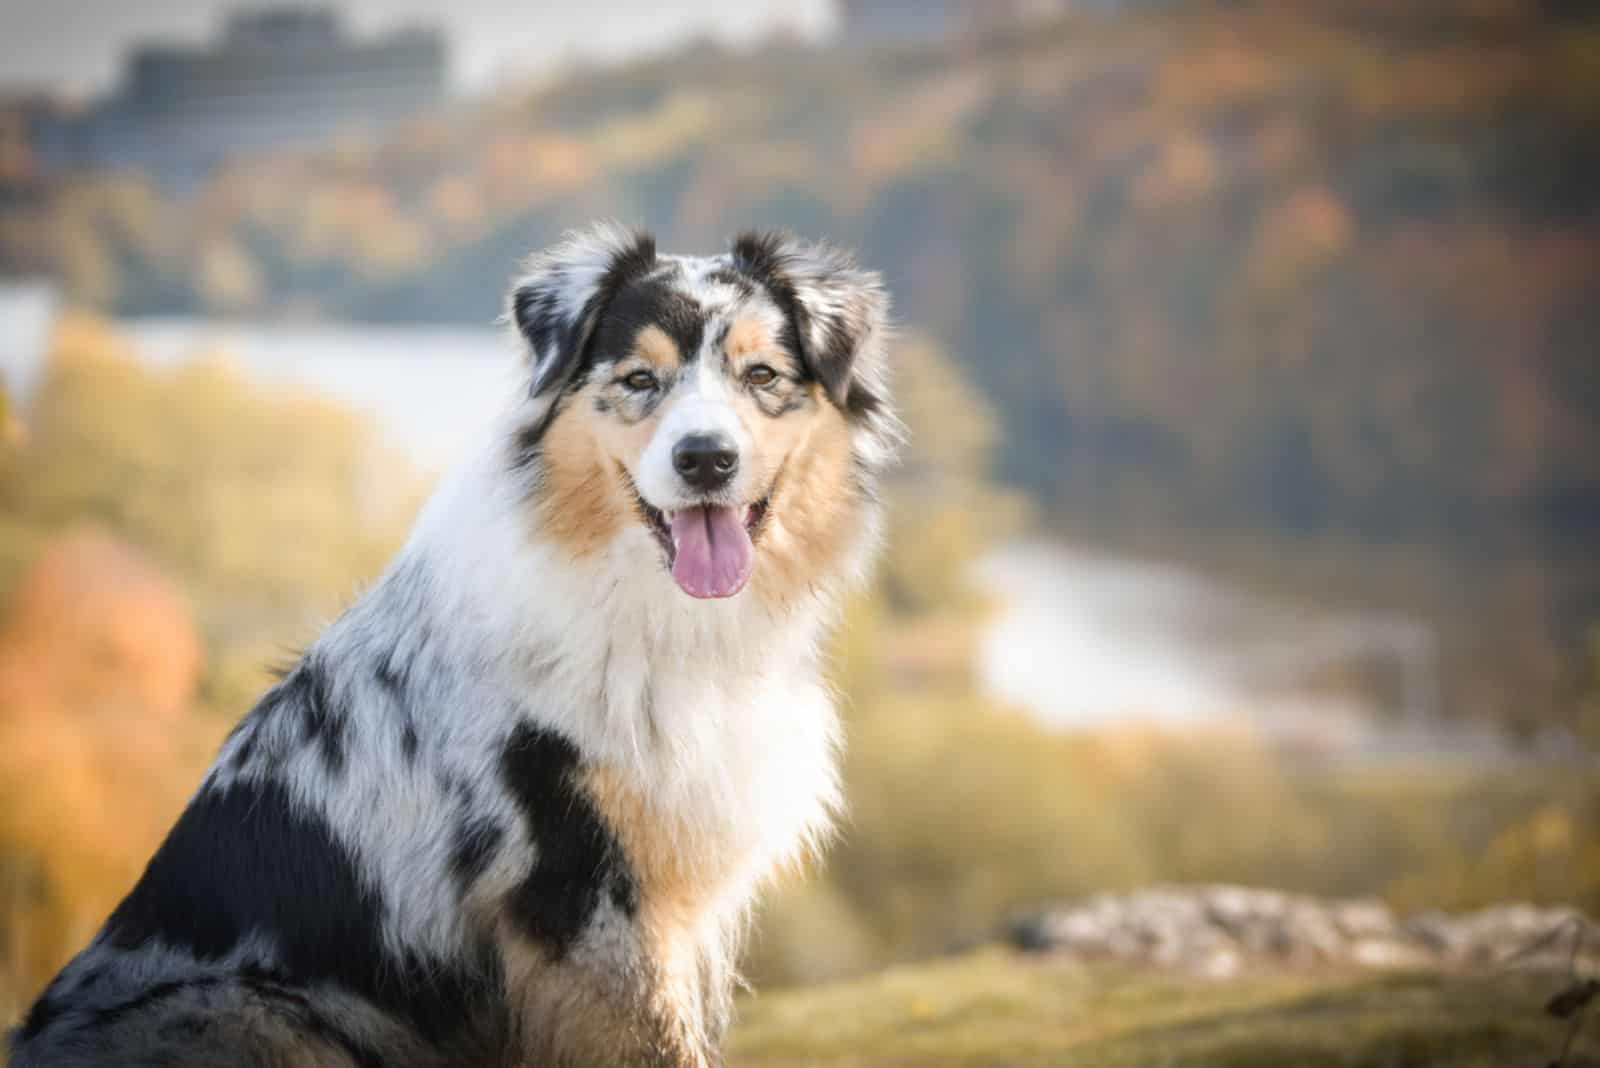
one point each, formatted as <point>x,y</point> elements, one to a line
<point>1248,531</point>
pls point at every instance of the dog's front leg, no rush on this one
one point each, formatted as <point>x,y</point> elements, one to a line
<point>591,1010</point>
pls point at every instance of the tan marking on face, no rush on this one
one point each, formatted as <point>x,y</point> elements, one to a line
<point>583,504</point>
<point>656,347</point>
<point>746,337</point>
<point>815,512</point>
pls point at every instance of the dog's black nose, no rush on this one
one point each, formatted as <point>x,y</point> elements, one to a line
<point>705,461</point>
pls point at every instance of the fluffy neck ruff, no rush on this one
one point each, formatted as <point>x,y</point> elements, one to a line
<point>713,714</point>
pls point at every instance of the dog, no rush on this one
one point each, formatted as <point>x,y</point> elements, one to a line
<point>514,805</point>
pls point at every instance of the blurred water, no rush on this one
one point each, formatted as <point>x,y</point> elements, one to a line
<point>27,314</point>
<point>429,389</point>
<point>1086,640</point>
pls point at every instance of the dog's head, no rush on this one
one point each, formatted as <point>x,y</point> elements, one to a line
<point>730,409</point>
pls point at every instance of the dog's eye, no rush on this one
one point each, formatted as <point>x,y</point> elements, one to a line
<point>761,375</point>
<point>640,381</point>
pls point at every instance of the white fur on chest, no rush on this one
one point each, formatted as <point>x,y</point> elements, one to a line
<point>713,713</point>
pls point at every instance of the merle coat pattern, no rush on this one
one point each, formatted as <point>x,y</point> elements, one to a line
<point>512,807</point>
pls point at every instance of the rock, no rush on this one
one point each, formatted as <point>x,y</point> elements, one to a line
<point>1526,935</point>
<point>1390,953</point>
<point>1218,930</point>
<point>1220,964</point>
<point>1363,918</point>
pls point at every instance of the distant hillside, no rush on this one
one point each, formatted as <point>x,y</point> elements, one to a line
<point>1304,272</point>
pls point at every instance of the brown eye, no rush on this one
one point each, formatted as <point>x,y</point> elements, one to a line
<point>760,375</point>
<point>640,381</point>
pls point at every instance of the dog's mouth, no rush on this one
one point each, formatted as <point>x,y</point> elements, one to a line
<point>710,548</point>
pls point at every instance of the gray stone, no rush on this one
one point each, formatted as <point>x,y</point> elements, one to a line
<point>1219,930</point>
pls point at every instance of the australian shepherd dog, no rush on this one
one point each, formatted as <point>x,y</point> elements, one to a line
<point>513,806</point>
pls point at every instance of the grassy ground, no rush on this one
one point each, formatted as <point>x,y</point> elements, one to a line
<point>995,1007</point>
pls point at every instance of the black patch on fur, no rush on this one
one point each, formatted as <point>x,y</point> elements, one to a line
<point>394,669</point>
<point>277,997</point>
<point>760,257</point>
<point>392,675</point>
<point>476,841</point>
<point>526,442</point>
<point>650,302</point>
<point>537,309</point>
<point>625,895</point>
<point>457,788</point>
<point>43,1013</point>
<point>861,401</point>
<point>308,689</point>
<point>763,257</point>
<point>189,1027</point>
<point>576,858</point>
<point>742,284</point>
<point>247,859</point>
<point>246,749</point>
<point>150,995</point>
<point>835,356</point>
<point>440,1002</point>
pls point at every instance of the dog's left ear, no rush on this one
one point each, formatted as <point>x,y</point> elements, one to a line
<point>564,291</point>
<point>837,312</point>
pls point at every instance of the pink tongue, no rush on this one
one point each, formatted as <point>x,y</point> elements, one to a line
<point>713,552</point>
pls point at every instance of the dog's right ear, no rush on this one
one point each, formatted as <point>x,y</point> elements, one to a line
<point>559,299</point>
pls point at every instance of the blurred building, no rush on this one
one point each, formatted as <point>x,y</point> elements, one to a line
<point>275,78</point>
